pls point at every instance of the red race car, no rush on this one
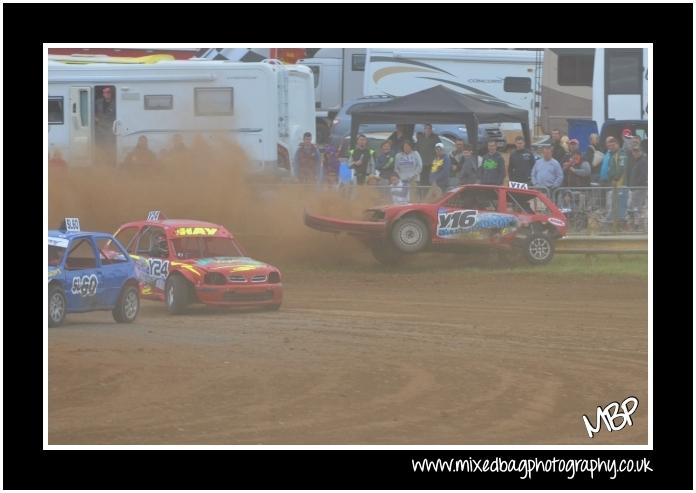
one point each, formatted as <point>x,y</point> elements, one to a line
<point>180,261</point>
<point>468,218</point>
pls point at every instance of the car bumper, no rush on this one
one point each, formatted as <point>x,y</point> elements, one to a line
<point>240,295</point>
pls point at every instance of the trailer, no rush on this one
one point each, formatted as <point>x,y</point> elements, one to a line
<point>265,107</point>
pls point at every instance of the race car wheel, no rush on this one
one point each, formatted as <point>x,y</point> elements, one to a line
<point>386,254</point>
<point>128,305</point>
<point>538,249</point>
<point>410,234</point>
<point>176,294</point>
<point>56,306</point>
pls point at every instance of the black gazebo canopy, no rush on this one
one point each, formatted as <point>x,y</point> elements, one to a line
<point>442,105</point>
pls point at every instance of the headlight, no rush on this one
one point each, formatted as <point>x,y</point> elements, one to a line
<point>274,277</point>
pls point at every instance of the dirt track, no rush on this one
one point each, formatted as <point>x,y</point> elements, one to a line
<point>362,358</point>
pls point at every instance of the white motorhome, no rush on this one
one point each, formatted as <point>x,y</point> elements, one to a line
<point>338,77</point>
<point>620,84</point>
<point>265,107</point>
<point>512,76</point>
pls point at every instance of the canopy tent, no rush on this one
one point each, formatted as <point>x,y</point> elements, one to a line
<point>442,105</point>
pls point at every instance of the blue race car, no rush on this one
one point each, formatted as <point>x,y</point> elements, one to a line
<point>88,272</point>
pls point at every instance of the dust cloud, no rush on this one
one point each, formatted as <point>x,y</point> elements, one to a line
<point>211,184</point>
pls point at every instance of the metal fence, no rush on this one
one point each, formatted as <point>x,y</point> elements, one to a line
<point>604,209</point>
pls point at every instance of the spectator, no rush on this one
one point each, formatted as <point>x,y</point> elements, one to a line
<point>104,117</point>
<point>440,168</point>
<point>384,162</point>
<point>372,180</point>
<point>547,172</point>
<point>594,156</point>
<point>361,159</point>
<point>521,162</point>
<point>558,151</point>
<point>469,173</point>
<point>177,151</point>
<point>56,161</point>
<point>408,164</point>
<point>577,170</point>
<point>638,177</point>
<point>307,160</point>
<point>397,138</point>
<point>332,163</point>
<point>569,159</point>
<point>493,166</point>
<point>457,159</point>
<point>426,149</point>
<point>399,191</point>
<point>141,157</point>
<point>614,164</point>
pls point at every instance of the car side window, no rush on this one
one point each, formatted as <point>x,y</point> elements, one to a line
<point>81,256</point>
<point>110,252</point>
<point>466,199</point>
<point>150,242</point>
<point>519,203</point>
<point>126,237</point>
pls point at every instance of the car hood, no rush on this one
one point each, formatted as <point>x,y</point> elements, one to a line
<point>228,265</point>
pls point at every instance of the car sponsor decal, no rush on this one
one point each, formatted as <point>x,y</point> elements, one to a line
<point>72,224</point>
<point>85,285</point>
<point>59,242</point>
<point>557,222</point>
<point>460,223</point>
<point>195,231</point>
<point>153,216</point>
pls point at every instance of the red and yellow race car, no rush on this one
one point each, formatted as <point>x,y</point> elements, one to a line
<point>181,261</point>
<point>468,218</point>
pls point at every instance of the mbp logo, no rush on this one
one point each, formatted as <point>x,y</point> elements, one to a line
<point>610,414</point>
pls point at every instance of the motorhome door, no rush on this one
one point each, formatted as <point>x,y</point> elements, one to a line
<point>81,133</point>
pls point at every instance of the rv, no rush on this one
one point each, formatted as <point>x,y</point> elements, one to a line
<point>265,107</point>
<point>508,75</point>
<point>338,78</point>
<point>593,84</point>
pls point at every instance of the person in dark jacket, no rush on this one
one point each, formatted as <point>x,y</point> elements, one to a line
<point>440,168</point>
<point>361,159</point>
<point>470,170</point>
<point>558,152</point>
<point>492,166</point>
<point>521,163</point>
<point>384,161</point>
<point>426,149</point>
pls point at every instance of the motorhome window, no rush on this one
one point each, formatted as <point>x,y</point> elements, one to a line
<point>84,107</point>
<point>358,62</point>
<point>55,111</point>
<point>159,102</point>
<point>517,84</point>
<point>575,70</point>
<point>623,71</point>
<point>315,73</point>
<point>214,101</point>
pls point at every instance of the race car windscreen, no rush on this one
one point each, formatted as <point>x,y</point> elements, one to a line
<point>55,254</point>
<point>205,247</point>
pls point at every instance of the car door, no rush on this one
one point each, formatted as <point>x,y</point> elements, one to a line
<point>153,264</point>
<point>470,217</point>
<point>115,268</point>
<point>84,281</point>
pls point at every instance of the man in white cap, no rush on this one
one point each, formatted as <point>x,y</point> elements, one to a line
<point>440,168</point>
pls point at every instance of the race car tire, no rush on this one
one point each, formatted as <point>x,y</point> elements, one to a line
<point>128,305</point>
<point>386,254</point>
<point>410,234</point>
<point>57,304</point>
<point>176,294</point>
<point>538,249</point>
